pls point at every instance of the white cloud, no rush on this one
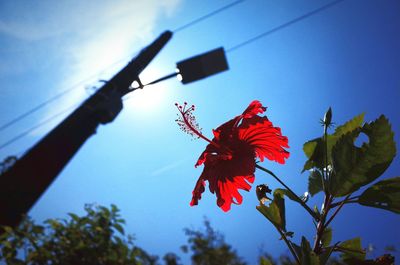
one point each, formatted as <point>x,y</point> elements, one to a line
<point>167,168</point>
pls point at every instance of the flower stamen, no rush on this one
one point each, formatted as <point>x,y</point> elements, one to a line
<point>188,124</point>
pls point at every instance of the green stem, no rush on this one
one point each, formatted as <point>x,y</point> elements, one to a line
<point>325,169</point>
<point>289,244</point>
<point>336,211</point>
<point>353,198</point>
<point>321,224</point>
<point>312,213</point>
<point>350,200</point>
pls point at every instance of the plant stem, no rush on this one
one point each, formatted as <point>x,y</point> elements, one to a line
<point>312,213</point>
<point>325,169</point>
<point>328,197</point>
<point>321,224</point>
<point>289,244</point>
<point>353,198</point>
<point>349,200</point>
<point>336,211</point>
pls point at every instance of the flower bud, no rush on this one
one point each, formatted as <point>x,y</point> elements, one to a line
<point>261,191</point>
<point>328,117</point>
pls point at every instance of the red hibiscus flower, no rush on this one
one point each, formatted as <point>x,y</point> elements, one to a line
<point>229,158</point>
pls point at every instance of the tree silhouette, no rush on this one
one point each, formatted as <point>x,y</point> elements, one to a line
<point>210,248</point>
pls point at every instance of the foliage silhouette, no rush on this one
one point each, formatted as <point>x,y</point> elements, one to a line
<point>98,238</point>
<point>95,238</point>
<point>210,248</point>
<point>339,168</point>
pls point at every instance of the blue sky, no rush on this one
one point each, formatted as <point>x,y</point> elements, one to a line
<point>346,57</point>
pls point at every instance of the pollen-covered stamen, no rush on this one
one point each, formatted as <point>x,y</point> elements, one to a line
<point>187,122</point>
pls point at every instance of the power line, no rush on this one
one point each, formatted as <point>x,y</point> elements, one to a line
<point>236,47</point>
<point>284,25</point>
<point>23,134</point>
<point>197,20</point>
<point>55,97</point>
<point>77,85</point>
<point>49,119</point>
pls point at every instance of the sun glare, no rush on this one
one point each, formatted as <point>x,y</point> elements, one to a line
<point>150,98</point>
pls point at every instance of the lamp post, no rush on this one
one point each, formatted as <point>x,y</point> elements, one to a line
<point>24,182</point>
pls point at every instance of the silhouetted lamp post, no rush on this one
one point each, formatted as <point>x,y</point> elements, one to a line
<point>23,183</point>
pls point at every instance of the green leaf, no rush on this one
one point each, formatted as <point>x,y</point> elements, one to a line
<point>114,208</point>
<point>119,228</point>
<point>297,249</point>
<point>287,193</point>
<point>316,211</point>
<point>289,234</point>
<point>54,224</point>
<point>326,237</point>
<point>309,147</point>
<point>294,197</point>
<point>384,194</point>
<point>74,217</point>
<point>37,229</point>
<point>7,244</point>
<point>265,261</point>
<point>307,255</point>
<point>324,256</point>
<point>349,126</point>
<point>315,182</point>
<point>314,149</point>
<point>355,167</point>
<point>275,212</point>
<point>120,220</point>
<point>352,249</point>
<point>7,229</point>
<point>104,212</point>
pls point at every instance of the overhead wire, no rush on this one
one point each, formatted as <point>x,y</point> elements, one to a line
<point>213,13</point>
<point>49,119</point>
<point>284,25</point>
<point>55,97</point>
<point>187,25</point>
<point>78,84</point>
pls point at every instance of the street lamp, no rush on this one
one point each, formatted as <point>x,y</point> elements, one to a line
<point>24,182</point>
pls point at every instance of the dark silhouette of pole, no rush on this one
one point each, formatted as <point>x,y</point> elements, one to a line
<point>23,184</point>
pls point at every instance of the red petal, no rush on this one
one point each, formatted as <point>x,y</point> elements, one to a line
<point>253,109</point>
<point>266,139</point>
<point>198,190</point>
<point>210,148</point>
<point>221,181</point>
<point>201,159</point>
<point>216,134</point>
<point>227,191</point>
<point>224,131</point>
